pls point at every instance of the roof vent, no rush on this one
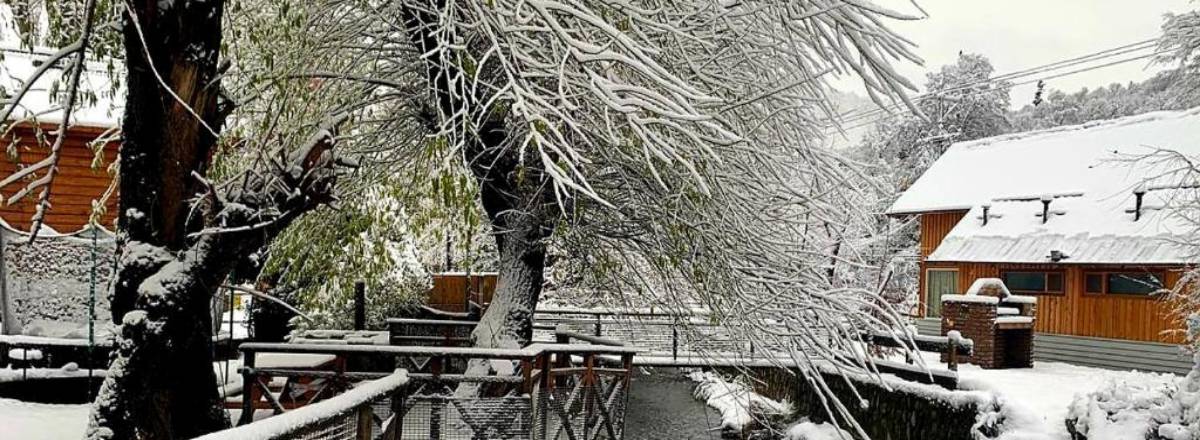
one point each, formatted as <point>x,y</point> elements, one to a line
<point>1138,193</point>
<point>1046,199</point>
<point>1057,256</point>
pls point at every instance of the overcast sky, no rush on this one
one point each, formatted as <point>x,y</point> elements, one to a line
<point>1019,34</point>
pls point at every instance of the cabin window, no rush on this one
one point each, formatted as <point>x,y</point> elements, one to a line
<point>938,282</point>
<point>1143,283</point>
<point>1034,282</point>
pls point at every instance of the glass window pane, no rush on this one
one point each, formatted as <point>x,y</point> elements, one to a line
<point>1025,281</point>
<point>1133,283</point>
<point>1094,283</point>
<point>1054,282</point>
<point>938,283</point>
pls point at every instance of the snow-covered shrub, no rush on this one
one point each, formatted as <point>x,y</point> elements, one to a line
<point>1126,410</point>
<point>322,256</point>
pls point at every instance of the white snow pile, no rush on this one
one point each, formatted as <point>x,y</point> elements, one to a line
<point>39,421</point>
<point>1137,410</point>
<point>806,430</point>
<point>25,354</point>
<point>735,400</point>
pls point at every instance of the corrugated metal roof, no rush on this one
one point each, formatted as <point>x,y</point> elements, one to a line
<point>1085,230</point>
<point>1092,158</point>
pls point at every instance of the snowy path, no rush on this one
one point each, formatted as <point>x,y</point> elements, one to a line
<point>38,421</point>
<point>1043,393</point>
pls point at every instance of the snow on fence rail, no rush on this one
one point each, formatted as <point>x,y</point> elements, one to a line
<point>348,416</point>
<point>538,392</point>
<point>682,335</point>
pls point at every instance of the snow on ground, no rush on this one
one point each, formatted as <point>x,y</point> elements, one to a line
<point>816,431</point>
<point>39,421</point>
<point>1043,394</point>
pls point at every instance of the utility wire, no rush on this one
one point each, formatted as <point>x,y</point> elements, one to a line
<point>873,116</point>
<point>1057,65</point>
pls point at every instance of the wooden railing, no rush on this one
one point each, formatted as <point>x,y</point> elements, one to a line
<point>538,392</point>
<point>349,416</point>
<point>952,348</point>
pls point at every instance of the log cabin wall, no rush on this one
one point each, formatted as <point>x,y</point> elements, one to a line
<point>76,186</point>
<point>1073,312</point>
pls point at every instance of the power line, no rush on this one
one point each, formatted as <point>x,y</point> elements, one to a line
<point>1057,65</point>
<point>874,116</point>
<point>980,92</point>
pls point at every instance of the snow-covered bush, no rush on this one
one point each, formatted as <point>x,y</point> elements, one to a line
<point>322,256</point>
<point>1127,410</point>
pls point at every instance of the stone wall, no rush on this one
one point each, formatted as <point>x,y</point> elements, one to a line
<point>908,412</point>
<point>48,282</point>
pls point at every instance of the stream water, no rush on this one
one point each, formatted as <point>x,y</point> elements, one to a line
<point>661,407</point>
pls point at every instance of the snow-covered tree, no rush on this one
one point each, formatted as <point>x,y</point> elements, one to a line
<point>672,145</point>
<point>960,104</point>
<point>668,149</point>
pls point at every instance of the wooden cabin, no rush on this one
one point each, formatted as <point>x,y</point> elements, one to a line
<point>83,175</point>
<point>1082,217</point>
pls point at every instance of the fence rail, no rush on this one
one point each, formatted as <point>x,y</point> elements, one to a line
<point>543,391</point>
<point>349,416</point>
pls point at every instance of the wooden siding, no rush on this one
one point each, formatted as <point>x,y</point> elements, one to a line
<point>1074,312</point>
<point>934,227</point>
<point>73,191</point>
<point>1096,352</point>
<point>451,291</point>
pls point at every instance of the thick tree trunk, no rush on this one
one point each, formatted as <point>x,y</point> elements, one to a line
<point>161,384</point>
<point>522,213</point>
<point>514,192</point>
<point>508,321</point>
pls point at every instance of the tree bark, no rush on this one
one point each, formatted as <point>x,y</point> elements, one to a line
<point>522,212</point>
<point>515,194</point>
<point>160,383</point>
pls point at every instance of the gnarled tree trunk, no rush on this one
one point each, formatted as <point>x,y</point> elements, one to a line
<point>161,384</point>
<point>179,236</point>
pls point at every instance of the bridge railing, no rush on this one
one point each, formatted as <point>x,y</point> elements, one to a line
<point>348,416</point>
<point>663,333</point>
<point>538,392</point>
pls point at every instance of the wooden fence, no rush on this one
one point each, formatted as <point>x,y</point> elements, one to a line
<point>565,390</point>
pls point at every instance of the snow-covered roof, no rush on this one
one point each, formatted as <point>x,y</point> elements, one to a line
<point>1085,230</point>
<point>1087,172</point>
<point>98,107</point>
<point>1092,158</point>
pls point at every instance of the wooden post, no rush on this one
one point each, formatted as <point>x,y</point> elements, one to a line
<point>248,390</point>
<point>8,320</point>
<point>544,394</point>
<point>435,405</point>
<point>599,331</point>
<point>365,422</point>
<point>674,341</point>
<point>952,358</point>
<point>396,429</point>
<point>360,305</point>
